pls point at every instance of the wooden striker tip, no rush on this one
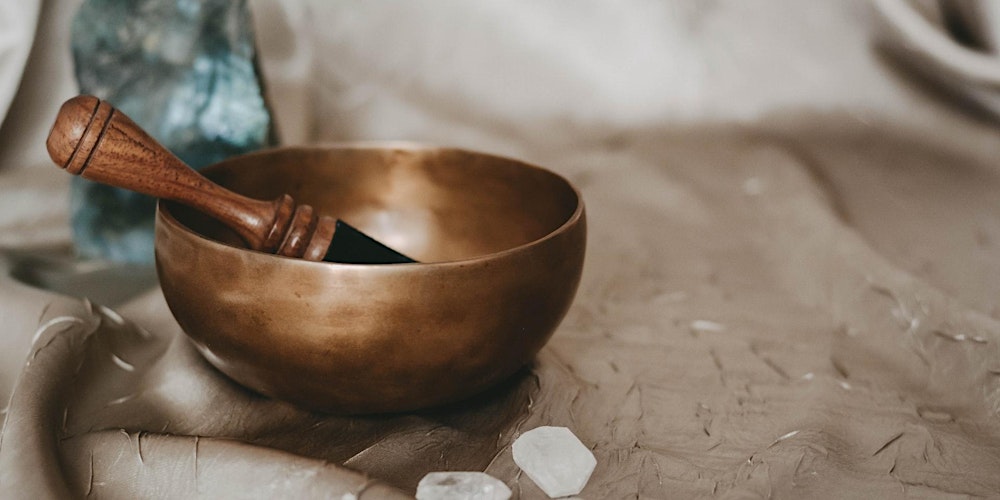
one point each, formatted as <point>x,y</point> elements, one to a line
<point>71,123</point>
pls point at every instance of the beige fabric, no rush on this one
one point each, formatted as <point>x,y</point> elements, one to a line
<point>804,305</point>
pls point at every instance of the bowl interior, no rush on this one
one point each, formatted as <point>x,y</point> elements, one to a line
<point>433,204</point>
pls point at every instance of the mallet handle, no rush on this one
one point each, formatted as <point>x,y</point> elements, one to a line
<point>92,139</point>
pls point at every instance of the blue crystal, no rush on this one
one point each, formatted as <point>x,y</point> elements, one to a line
<point>184,70</point>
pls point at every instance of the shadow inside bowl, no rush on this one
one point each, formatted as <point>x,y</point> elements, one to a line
<point>414,200</point>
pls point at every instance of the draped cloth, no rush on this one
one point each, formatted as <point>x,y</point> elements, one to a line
<point>800,305</point>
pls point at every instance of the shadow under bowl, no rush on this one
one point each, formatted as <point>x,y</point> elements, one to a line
<point>500,246</point>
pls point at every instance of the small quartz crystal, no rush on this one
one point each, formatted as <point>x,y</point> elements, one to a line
<point>555,460</point>
<point>461,486</point>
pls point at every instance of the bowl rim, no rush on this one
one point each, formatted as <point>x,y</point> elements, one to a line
<point>164,216</point>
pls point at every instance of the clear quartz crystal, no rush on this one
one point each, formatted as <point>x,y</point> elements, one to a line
<point>461,486</point>
<point>555,460</point>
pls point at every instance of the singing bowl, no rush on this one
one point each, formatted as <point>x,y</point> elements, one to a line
<point>500,246</point>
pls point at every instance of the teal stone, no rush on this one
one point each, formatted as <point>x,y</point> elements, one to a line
<point>184,70</point>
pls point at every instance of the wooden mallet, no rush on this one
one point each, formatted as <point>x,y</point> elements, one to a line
<point>92,139</point>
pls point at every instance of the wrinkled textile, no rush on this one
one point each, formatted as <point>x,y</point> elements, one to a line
<point>733,335</point>
<point>801,303</point>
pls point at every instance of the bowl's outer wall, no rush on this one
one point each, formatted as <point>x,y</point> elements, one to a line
<point>363,339</point>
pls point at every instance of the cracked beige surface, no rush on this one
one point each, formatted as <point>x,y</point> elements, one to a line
<point>820,367</point>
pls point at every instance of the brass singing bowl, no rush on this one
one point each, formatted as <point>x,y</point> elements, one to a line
<point>500,246</point>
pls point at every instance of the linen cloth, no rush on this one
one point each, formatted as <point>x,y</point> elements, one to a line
<point>790,290</point>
